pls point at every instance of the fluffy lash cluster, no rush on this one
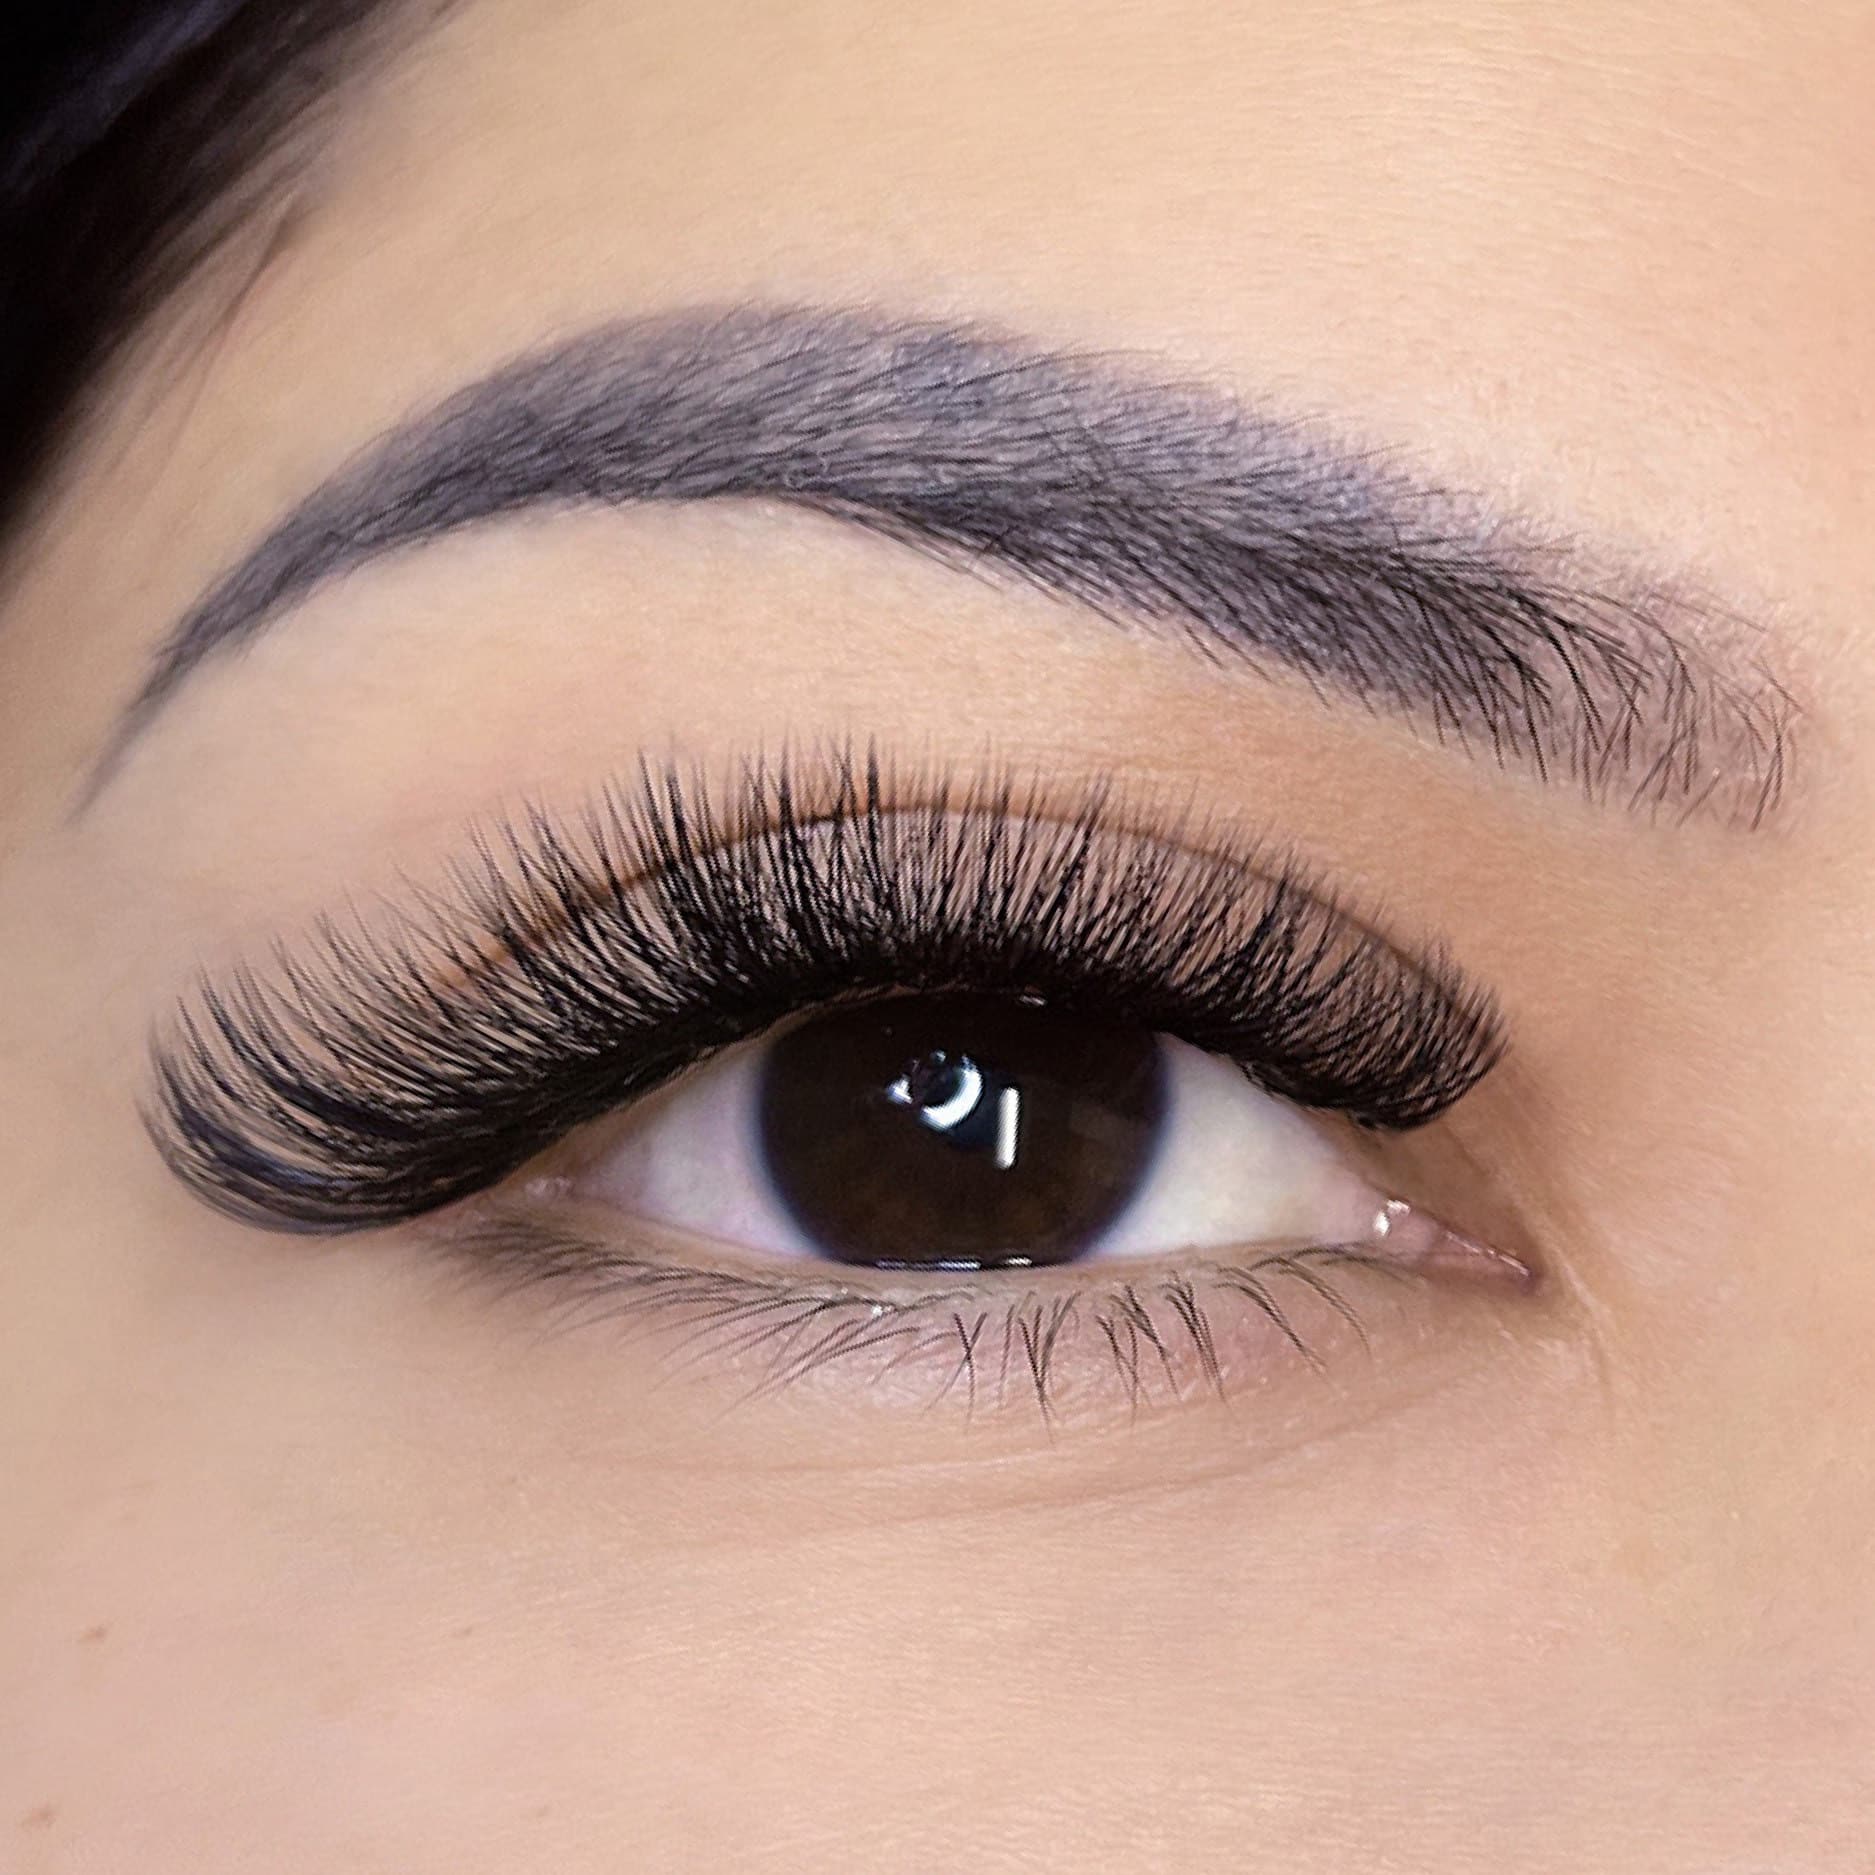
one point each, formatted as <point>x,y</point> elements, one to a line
<point>404,1057</point>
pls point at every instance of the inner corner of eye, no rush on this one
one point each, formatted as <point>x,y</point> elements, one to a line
<point>958,1130</point>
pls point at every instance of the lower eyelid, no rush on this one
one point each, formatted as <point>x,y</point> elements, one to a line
<point>1056,1348</point>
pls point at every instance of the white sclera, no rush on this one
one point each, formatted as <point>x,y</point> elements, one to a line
<point>1235,1168</point>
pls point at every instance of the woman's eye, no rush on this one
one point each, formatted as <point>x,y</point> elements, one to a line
<point>967,1132</point>
<point>943,1188</point>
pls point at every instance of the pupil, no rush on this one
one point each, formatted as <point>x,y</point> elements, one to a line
<point>958,1130</point>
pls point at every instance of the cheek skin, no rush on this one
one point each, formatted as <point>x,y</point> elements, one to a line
<point>547,1689</point>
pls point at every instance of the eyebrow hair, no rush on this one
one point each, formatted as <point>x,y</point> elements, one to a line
<point>1151,501</point>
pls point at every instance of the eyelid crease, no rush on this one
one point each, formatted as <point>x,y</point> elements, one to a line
<point>394,1063</point>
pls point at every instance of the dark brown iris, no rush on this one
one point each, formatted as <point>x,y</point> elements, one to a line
<point>958,1130</point>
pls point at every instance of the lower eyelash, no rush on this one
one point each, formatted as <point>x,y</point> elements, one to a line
<point>1144,1340</point>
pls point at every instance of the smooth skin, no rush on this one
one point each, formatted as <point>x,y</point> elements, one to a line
<point>312,1559</point>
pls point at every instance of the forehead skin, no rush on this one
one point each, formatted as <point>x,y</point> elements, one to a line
<point>305,1568</point>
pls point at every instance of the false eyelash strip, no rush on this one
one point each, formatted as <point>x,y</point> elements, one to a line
<point>410,1054</point>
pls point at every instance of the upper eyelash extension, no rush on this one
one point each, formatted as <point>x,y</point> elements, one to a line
<point>401,1059</point>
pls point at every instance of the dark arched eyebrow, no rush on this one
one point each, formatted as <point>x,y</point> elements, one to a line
<point>1151,501</point>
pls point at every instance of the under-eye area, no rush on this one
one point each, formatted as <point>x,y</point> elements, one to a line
<point>940,1085</point>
